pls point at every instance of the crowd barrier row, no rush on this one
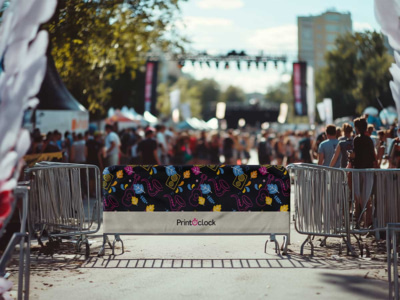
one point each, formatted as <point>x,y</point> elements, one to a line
<point>64,201</point>
<point>332,202</point>
<point>196,200</point>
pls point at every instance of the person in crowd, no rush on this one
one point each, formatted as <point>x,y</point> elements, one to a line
<point>148,149</point>
<point>135,158</point>
<point>264,150</point>
<point>93,150</point>
<point>305,148</point>
<point>202,150</point>
<point>112,145</point>
<point>49,145</point>
<point>381,147</point>
<point>327,148</point>
<point>394,152</point>
<point>279,148</point>
<point>318,140</point>
<point>214,149</point>
<point>78,150</point>
<point>162,144</point>
<point>228,148</point>
<point>344,147</point>
<point>289,152</point>
<point>339,133</point>
<point>363,157</point>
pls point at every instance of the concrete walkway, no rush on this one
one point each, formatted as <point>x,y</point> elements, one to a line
<point>207,267</point>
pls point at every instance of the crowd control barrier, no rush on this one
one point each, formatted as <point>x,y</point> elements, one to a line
<point>321,202</point>
<point>196,200</point>
<point>64,201</point>
<point>333,202</point>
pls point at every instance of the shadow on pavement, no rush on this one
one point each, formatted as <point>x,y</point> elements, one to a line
<point>358,285</point>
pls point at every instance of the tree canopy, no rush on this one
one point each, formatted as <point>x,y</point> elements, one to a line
<point>356,73</point>
<point>95,42</point>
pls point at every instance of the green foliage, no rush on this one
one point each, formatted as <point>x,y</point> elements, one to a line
<point>280,93</point>
<point>190,93</point>
<point>233,94</point>
<point>357,72</point>
<point>95,42</point>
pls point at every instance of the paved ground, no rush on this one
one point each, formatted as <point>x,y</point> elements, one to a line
<point>199,267</point>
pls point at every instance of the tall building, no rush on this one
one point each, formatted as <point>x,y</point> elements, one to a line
<point>317,34</point>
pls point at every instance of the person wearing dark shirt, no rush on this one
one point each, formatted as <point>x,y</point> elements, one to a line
<point>93,150</point>
<point>228,147</point>
<point>363,158</point>
<point>264,150</point>
<point>345,145</point>
<point>364,150</point>
<point>147,149</point>
<point>305,148</point>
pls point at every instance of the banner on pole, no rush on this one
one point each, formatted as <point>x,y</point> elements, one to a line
<point>300,88</point>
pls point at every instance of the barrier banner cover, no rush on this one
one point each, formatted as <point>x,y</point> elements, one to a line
<point>198,197</point>
<point>300,88</point>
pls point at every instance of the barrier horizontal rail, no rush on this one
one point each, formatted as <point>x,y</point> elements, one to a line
<point>64,200</point>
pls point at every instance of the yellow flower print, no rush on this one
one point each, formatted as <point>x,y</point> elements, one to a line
<point>134,200</point>
<point>202,200</point>
<point>268,200</point>
<point>253,174</point>
<point>120,174</point>
<point>217,207</point>
<point>285,207</point>
<point>186,174</point>
<point>150,207</point>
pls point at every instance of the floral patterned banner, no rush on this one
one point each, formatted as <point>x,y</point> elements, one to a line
<point>196,188</point>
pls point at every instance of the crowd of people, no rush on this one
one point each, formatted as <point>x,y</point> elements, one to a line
<point>341,147</point>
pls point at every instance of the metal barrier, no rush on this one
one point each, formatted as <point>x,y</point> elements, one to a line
<point>23,238</point>
<point>377,191</point>
<point>64,201</point>
<point>320,202</point>
<point>333,202</point>
<point>391,244</point>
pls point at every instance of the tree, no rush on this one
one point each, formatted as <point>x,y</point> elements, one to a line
<point>233,94</point>
<point>189,93</point>
<point>210,92</point>
<point>95,42</point>
<point>281,93</point>
<point>356,73</point>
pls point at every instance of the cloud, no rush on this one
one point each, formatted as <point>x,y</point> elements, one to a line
<point>362,26</point>
<point>220,4</point>
<point>194,23</point>
<point>281,39</point>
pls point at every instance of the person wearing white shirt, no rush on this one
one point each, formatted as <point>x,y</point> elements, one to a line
<point>112,144</point>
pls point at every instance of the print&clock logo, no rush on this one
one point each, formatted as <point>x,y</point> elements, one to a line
<point>195,222</point>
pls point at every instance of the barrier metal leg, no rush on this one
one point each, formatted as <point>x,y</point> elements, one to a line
<point>273,239</point>
<point>117,239</point>
<point>309,241</point>
<point>285,244</point>
<point>103,247</point>
<point>389,260</point>
<point>395,268</point>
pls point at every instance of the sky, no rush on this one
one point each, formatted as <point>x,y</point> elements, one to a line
<point>219,26</point>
